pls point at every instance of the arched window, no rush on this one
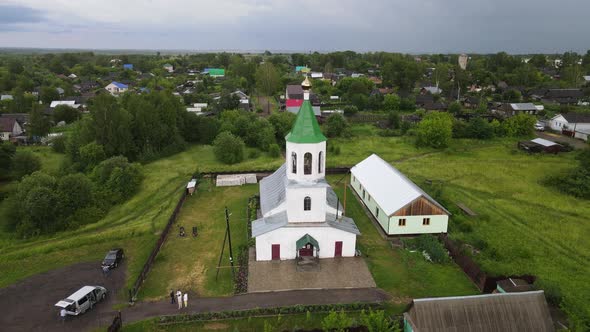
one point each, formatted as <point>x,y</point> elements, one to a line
<point>320,161</point>
<point>294,162</point>
<point>307,203</point>
<point>307,163</point>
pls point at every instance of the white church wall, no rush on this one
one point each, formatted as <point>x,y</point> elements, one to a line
<point>295,206</point>
<point>287,237</point>
<point>301,150</point>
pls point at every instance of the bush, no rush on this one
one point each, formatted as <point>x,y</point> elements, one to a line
<point>58,144</point>
<point>350,110</point>
<point>65,113</point>
<point>228,148</point>
<point>118,177</point>
<point>274,151</point>
<point>25,163</point>
<point>377,321</point>
<point>435,130</point>
<point>335,125</point>
<point>520,125</point>
<point>338,322</point>
<point>430,244</point>
<point>253,154</point>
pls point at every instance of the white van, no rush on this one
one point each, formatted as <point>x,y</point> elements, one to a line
<point>82,300</point>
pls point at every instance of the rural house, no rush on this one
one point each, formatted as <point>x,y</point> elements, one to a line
<point>563,96</point>
<point>578,124</point>
<point>511,109</point>
<point>399,205</point>
<point>116,88</point>
<point>9,128</point>
<point>214,72</point>
<point>524,311</point>
<point>301,214</point>
<point>294,92</point>
<point>168,67</point>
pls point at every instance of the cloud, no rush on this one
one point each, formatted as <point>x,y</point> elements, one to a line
<point>13,17</point>
<point>300,25</point>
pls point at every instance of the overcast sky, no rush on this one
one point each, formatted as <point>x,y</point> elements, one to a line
<point>414,26</point>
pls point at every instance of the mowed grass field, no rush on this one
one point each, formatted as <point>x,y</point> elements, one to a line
<point>189,263</point>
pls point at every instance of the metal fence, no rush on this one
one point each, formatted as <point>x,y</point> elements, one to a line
<point>148,264</point>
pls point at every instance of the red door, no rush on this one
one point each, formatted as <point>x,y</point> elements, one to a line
<point>338,249</point>
<point>276,252</point>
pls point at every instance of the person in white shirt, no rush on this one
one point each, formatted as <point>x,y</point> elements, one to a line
<point>185,300</point>
<point>179,298</point>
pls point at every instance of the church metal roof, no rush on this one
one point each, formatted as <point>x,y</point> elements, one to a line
<point>306,128</point>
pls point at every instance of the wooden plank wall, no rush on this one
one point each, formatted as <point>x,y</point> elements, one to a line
<point>420,207</point>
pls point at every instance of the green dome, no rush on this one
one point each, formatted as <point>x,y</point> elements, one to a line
<point>306,128</point>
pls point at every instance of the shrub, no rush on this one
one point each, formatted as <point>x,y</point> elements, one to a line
<point>25,163</point>
<point>274,151</point>
<point>336,321</point>
<point>435,130</point>
<point>430,244</point>
<point>350,110</point>
<point>377,321</point>
<point>58,144</point>
<point>228,148</point>
<point>520,125</point>
<point>335,125</point>
<point>253,154</point>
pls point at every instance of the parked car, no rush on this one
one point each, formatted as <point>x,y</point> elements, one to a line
<point>113,258</point>
<point>539,126</point>
<point>82,300</point>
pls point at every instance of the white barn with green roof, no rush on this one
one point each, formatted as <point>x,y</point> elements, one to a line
<point>301,214</point>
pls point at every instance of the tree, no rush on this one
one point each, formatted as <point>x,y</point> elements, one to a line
<point>91,155</point>
<point>228,148</point>
<point>520,125</point>
<point>267,79</point>
<point>65,113</point>
<point>7,151</point>
<point>435,130</point>
<point>282,123</point>
<point>538,60</point>
<point>512,96</point>
<point>38,123</point>
<point>394,120</point>
<point>336,125</point>
<point>74,192</point>
<point>25,163</point>
<point>48,94</point>
<point>350,110</point>
<point>120,178</point>
<point>454,108</point>
<point>41,207</point>
<point>112,126</point>
<point>392,102</point>
<point>480,129</point>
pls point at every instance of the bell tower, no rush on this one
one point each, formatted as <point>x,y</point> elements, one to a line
<point>306,165</point>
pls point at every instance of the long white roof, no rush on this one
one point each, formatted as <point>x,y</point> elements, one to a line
<point>387,185</point>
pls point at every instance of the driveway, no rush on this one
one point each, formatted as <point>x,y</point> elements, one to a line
<point>558,138</point>
<point>29,304</point>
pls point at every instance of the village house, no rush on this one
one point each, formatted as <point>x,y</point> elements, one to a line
<point>9,128</point>
<point>563,96</point>
<point>214,72</point>
<point>301,215</point>
<point>522,311</point>
<point>168,67</point>
<point>294,91</point>
<point>510,109</point>
<point>576,123</point>
<point>116,88</point>
<point>399,205</point>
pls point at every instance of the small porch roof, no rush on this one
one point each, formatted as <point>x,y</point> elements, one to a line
<point>305,239</point>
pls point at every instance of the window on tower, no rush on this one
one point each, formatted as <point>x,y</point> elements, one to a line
<point>320,160</point>
<point>294,162</point>
<point>307,163</point>
<point>307,203</point>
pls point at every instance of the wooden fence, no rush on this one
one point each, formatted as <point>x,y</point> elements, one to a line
<point>148,264</point>
<point>484,282</point>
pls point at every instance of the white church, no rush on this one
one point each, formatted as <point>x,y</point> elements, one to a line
<point>301,214</point>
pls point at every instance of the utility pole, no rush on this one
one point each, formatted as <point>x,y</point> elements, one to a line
<point>231,255</point>
<point>345,190</point>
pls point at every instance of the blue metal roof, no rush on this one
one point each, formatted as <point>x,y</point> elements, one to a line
<point>120,85</point>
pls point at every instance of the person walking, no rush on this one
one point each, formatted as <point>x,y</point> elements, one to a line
<point>179,298</point>
<point>63,314</point>
<point>185,297</point>
<point>172,296</point>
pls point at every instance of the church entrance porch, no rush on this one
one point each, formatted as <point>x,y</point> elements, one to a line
<point>308,272</point>
<point>307,246</point>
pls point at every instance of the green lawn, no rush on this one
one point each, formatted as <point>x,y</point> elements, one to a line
<point>403,274</point>
<point>276,323</point>
<point>523,227</point>
<point>190,263</point>
<point>134,225</point>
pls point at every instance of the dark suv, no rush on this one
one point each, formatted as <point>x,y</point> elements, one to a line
<point>113,258</point>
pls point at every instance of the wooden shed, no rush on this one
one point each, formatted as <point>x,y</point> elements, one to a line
<point>540,145</point>
<point>527,311</point>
